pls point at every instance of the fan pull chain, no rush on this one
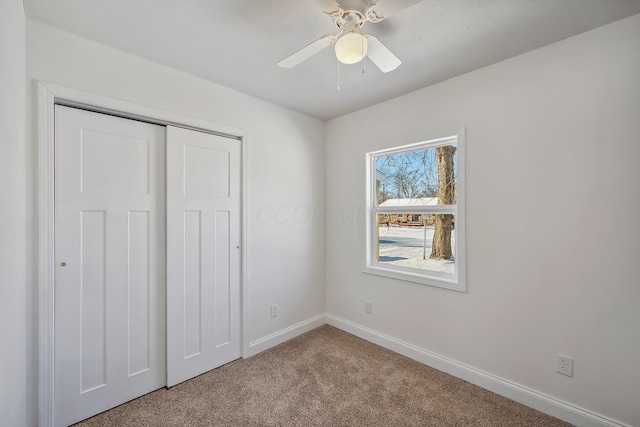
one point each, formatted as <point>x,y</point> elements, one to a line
<point>362,51</point>
<point>338,75</point>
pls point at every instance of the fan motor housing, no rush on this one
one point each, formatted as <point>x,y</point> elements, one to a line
<point>350,21</point>
<point>358,6</point>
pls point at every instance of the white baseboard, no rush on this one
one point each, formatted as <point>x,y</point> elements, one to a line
<point>531,398</point>
<point>264,343</point>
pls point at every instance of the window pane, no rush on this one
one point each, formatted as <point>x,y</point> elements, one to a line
<point>411,240</point>
<point>421,177</point>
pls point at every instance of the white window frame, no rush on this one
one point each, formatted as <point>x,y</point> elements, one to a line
<point>456,281</point>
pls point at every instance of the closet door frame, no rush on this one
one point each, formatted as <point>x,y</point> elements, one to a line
<point>49,95</point>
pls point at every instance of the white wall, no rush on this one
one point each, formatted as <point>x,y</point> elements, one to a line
<point>553,232</point>
<point>12,212</point>
<point>286,251</point>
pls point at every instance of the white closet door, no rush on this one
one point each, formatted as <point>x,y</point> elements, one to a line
<point>203,256</point>
<point>110,268</point>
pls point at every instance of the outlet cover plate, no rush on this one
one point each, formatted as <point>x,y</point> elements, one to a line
<point>565,365</point>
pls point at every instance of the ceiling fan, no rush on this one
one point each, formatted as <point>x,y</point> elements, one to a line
<point>351,44</point>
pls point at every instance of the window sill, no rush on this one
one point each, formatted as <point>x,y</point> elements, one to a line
<point>409,275</point>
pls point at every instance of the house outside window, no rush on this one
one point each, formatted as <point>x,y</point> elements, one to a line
<point>415,212</point>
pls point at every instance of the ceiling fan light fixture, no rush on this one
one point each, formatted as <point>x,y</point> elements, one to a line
<point>351,48</point>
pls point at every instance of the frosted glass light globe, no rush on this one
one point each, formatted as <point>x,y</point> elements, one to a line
<point>351,48</point>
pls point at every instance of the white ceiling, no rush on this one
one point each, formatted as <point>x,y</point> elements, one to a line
<point>237,43</point>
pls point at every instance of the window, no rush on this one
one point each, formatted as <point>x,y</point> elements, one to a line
<point>415,212</point>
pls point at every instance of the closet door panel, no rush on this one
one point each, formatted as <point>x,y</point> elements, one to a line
<point>203,256</point>
<point>109,297</point>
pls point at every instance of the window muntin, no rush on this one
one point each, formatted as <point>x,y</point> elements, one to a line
<point>416,194</point>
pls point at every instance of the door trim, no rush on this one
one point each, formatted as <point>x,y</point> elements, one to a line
<point>50,94</point>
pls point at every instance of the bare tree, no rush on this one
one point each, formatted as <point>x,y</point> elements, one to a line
<point>411,174</point>
<point>382,193</point>
<point>441,246</point>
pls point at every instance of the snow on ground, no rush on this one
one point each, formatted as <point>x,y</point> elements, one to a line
<point>405,246</point>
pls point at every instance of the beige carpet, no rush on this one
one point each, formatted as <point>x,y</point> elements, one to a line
<point>325,377</point>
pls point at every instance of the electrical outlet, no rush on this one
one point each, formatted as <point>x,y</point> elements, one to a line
<point>565,365</point>
<point>367,307</point>
<point>274,310</point>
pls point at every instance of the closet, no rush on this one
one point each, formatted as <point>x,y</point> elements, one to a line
<point>146,246</point>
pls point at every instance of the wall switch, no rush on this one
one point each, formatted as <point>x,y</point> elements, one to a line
<point>274,310</point>
<point>367,307</point>
<point>565,365</point>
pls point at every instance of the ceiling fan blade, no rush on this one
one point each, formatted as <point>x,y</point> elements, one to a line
<point>308,51</point>
<point>381,56</point>
<point>383,9</point>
